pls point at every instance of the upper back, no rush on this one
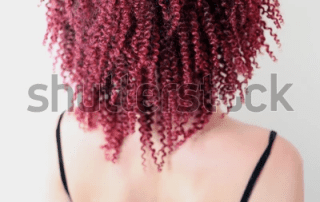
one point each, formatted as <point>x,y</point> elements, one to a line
<point>214,165</point>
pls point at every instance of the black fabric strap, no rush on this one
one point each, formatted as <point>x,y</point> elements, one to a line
<point>62,172</point>
<point>258,168</point>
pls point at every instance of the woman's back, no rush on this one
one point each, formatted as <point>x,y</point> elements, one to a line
<point>214,165</point>
<point>156,65</point>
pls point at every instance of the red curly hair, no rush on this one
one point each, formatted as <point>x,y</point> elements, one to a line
<point>159,43</point>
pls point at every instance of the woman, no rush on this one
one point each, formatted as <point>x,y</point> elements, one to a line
<point>151,77</point>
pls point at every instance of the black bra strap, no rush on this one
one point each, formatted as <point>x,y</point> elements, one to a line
<point>258,168</point>
<point>62,172</point>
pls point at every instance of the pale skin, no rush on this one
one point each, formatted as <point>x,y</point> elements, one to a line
<point>215,165</point>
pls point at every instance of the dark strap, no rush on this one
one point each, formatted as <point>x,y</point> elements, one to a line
<point>62,172</point>
<point>258,168</point>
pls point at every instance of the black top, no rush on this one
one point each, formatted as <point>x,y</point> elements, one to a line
<point>246,194</point>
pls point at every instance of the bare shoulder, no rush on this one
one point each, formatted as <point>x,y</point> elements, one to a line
<point>286,168</point>
<point>72,125</point>
<point>284,155</point>
<point>283,150</point>
<point>54,190</point>
<point>237,148</point>
<point>282,176</point>
<point>76,137</point>
<point>81,154</point>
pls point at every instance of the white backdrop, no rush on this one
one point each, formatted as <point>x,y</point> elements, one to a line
<point>25,62</point>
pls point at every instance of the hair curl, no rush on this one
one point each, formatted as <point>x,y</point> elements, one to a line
<point>160,43</point>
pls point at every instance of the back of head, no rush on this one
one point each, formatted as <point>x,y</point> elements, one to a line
<point>161,63</point>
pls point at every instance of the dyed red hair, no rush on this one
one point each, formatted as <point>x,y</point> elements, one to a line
<point>156,42</point>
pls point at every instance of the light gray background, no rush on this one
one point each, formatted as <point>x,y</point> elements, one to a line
<point>25,62</point>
